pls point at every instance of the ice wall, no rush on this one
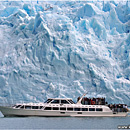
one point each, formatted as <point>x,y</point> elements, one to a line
<point>61,49</point>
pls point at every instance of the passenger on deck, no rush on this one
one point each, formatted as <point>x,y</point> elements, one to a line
<point>124,108</point>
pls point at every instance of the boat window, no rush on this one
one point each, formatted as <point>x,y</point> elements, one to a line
<point>63,108</point>
<point>41,107</point>
<point>18,106</point>
<point>47,108</point>
<point>22,107</point>
<point>55,101</point>
<point>70,109</point>
<point>98,109</point>
<point>47,101</point>
<point>91,109</point>
<point>71,101</point>
<point>64,102</point>
<point>55,108</point>
<point>76,109</point>
<point>27,107</point>
<point>84,109</point>
<point>34,107</point>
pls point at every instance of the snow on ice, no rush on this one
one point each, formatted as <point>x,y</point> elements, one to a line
<point>63,49</point>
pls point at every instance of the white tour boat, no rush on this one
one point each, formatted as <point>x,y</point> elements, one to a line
<point>59,107</point>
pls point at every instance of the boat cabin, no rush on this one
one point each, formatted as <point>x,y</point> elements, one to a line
<point>61,105</point>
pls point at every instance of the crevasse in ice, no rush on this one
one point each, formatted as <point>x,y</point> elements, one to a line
<point>63,49</point>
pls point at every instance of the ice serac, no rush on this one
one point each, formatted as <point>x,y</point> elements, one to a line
<point>86,10</point>
<point>63,49</point>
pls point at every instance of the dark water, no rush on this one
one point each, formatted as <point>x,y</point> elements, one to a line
<point>63,122</point>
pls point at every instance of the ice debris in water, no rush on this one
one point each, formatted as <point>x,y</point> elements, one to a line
<point>63,49</point>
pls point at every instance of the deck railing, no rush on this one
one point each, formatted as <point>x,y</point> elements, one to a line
<point>18,102</point>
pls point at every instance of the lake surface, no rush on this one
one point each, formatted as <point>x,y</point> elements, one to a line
<point>62,122</point>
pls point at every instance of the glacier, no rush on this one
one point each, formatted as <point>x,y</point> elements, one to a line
<point>63,49</point>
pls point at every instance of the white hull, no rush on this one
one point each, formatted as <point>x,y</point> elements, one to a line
<point>8,111</point>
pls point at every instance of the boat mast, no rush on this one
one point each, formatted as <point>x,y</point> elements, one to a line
<point>79,102</point>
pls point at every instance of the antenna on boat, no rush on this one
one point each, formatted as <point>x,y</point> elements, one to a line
<point>79,102</point>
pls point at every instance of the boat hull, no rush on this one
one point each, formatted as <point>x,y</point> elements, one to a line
<point>8,111</point>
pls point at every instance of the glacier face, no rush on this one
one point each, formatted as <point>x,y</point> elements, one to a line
<point>61,49</point>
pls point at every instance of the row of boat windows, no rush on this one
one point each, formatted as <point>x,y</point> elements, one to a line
<point>60,101</point>
<point>59,108</point>
<point>29,107</point>
<point>73,109</point>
